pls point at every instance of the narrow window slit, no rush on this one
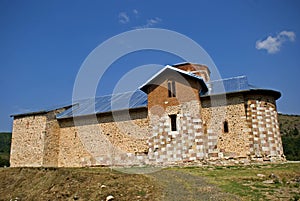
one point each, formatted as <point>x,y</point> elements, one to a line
<point>226,130</point>
<point>173,119</point>
<point>171,89</point>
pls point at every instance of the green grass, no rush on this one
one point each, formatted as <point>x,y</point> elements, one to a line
<point>244,182</point>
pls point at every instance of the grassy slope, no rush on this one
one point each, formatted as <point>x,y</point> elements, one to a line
<point>171,184</point>
<point>74,184</point>
<point>245,182</point>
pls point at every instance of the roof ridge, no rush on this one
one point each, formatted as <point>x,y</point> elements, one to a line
<point>184,72</point>
<point>174,69</point>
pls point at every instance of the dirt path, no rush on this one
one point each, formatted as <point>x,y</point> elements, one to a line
<point>178,185</point>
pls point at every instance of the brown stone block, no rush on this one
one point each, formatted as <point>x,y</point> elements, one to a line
<point>198,137</point>
<point>213,154</point>
<point>211,146</point>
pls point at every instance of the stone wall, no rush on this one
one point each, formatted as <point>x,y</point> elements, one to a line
<point>265,139</point>
<point>42,140</point>
<point>187,144</point>
<point>253,130</point>
<point>103,140</point>
<point>51,139</point>
<point>139,136</point>
<point>234,143</point>
<point>35,140</point>
<point>27,147</point>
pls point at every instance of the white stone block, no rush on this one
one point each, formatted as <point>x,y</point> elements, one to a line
<point>212,137</point>
<point>197,126</point>
<point>199,147</point>
<point>192,158</point>
<point>265,148</point>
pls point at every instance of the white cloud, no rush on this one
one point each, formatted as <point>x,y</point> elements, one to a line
<point>291,35</point>
<point>154,21</point>
<point>123,18</point>
<point>150,23</point>
<point>135,11</point>
<point>273,44</point>
<point>133,16</point>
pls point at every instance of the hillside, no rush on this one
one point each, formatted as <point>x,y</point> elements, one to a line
<point>289,129</point>
<point>5,140</point>
<point>74,184</point>
<point>288,123</point>
<point>255,182</point>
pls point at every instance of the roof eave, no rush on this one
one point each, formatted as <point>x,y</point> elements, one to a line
<point>29,113</point>
<point>39,112</point>
<point>146,84</point>
<point>98,113</point>
<point>275,94</point>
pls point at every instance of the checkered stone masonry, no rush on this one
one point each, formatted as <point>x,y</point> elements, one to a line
<point>265,136</point>
<point>187,144</point>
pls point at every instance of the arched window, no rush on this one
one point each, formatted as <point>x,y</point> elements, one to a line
<point>225,127</point>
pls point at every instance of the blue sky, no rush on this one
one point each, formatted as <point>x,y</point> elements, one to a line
<point>44,43</point>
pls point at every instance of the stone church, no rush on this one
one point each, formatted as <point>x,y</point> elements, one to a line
<point>179,116</point>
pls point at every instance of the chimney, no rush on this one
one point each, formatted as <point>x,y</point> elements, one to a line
<point>197,69</point>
